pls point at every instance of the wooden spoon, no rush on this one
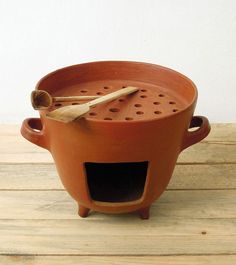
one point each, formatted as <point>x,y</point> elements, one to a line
<point>41,99</point>
<point>71,113</point>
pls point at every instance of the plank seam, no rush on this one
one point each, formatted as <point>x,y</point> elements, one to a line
<point>168,189</point>
<point>96,220</point>
<point>178,163</point>
<point>118,255</point>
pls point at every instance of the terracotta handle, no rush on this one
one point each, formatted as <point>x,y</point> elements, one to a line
<point>32,130</point>
<point>196,136</point>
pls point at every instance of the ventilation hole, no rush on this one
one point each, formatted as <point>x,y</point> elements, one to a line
<point>157,112</point>
<point>139,112</point>
<point>172,102</point>
<point>137,105</point>
<point>106,87</point>
<point>83,91</point>
<point>124,86</point>
<point>175,110</point>
<point>129,118</point>
<point>126,184</point>
<point>74,103</point>
<point>108,119</point>
<point>99,93</point>
<point>114,109</point>
<point>58,105</point>
<point>143,90</point>
<point>156,103</point>
<point>121,100</point>
<point>161,95</point>
<point>143,96</point>
<point>92,113</point>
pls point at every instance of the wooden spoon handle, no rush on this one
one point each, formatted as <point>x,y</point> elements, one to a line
<point>71,98</point>
<point>112,96</point>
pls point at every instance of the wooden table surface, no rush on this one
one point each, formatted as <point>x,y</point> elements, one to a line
<point>194,221</point>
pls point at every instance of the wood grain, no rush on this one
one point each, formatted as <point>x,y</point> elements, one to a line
<point>203,177</point>
<point>44,176</point>
<point>59,205</point>
<point>209,152</point>
<point>119,260</point>
<point>222,132</point>
<point>122,237</point>
<point>29,176</point>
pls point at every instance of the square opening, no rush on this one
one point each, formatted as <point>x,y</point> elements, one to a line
<point>116,182</point>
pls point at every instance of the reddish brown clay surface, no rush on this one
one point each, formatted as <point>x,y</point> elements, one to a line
<point>151,102</point>
<point>121,155</point>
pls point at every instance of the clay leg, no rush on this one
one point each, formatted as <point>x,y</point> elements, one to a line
<point>83,211</point>
<point>144,213</point>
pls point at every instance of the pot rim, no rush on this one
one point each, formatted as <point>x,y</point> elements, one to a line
<point>189,105</point>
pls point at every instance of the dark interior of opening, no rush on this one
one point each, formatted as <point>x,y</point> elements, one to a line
<point>116,182</point>
<point>35,124</point>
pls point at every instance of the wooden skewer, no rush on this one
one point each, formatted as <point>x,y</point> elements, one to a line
<point>75,112</point>
<point>41,99</point>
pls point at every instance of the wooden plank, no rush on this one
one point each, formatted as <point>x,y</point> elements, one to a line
<point>120,260</point>
<point>209,152</point>
<point>165,236</point>
<point>222,132</point>
<point>59,205</point>
<point>44,176</point>
<point>203,177</point>
<point>29,176</point>
<point>220,148</point>
<point>17,149</point>
<point>14,148</point>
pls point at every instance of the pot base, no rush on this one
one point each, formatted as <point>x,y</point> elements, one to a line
<point>83,211</point>
<point>143,213</point>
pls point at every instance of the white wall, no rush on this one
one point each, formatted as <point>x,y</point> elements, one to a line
<point>197,38</point>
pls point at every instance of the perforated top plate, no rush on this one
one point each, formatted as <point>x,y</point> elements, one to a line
<point>150,102</point>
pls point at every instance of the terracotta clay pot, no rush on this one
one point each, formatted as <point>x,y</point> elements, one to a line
<point>120,157</point>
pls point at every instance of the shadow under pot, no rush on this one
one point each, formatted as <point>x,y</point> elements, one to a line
<point>120,156</point>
